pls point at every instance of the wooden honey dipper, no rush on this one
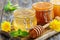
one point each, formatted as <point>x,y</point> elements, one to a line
<point>37,31</point>
<point>49,33</point>
<point>34,33</point>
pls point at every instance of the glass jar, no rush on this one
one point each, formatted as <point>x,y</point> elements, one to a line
<point>24,19</point>
<point>44,12</point>
<point>56,7</point>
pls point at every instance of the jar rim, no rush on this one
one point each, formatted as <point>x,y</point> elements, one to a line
<point>24,12</point>
<point>44,8</point>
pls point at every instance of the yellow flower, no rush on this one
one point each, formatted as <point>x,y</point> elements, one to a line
<point>6,26</point>
<point>55,25</point>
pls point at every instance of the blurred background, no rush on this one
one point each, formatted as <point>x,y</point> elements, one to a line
<point>26,4</point>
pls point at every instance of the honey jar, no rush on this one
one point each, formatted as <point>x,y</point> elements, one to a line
<point>24,19</point>
<point>44,12</point>
<point>56,4</point>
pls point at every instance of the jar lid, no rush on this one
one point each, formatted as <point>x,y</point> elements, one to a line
<point>42,6</point>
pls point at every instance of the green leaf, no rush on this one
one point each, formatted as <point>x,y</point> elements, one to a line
<point>19,31</point>
<point>6,8</point>
<point>12,8</point>
<point>23,34</point>
<point>13,33</point>
<point>9,3</point>
<point>9,7</point>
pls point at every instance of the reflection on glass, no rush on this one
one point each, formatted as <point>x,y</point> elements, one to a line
<point>44,12</point>
<point>24,19</point>
<point>56,7</point>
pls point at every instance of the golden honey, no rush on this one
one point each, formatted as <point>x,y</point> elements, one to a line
<point>44,12</point>
<point>56,4</point>
<point>24,19</point>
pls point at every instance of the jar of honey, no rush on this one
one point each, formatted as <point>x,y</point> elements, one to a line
<point>44,12</point>
<point>56,7</point>
<point>24,19</point>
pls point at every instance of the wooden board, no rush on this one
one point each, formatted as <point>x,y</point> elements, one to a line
<point>27,4</point>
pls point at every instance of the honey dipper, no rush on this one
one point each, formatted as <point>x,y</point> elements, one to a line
<point>49,33</point>
<point>37,31</point>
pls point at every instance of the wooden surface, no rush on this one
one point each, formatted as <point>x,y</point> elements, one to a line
<point>27,4</point>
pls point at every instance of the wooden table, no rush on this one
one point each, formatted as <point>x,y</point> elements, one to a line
<point>26,4</point>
